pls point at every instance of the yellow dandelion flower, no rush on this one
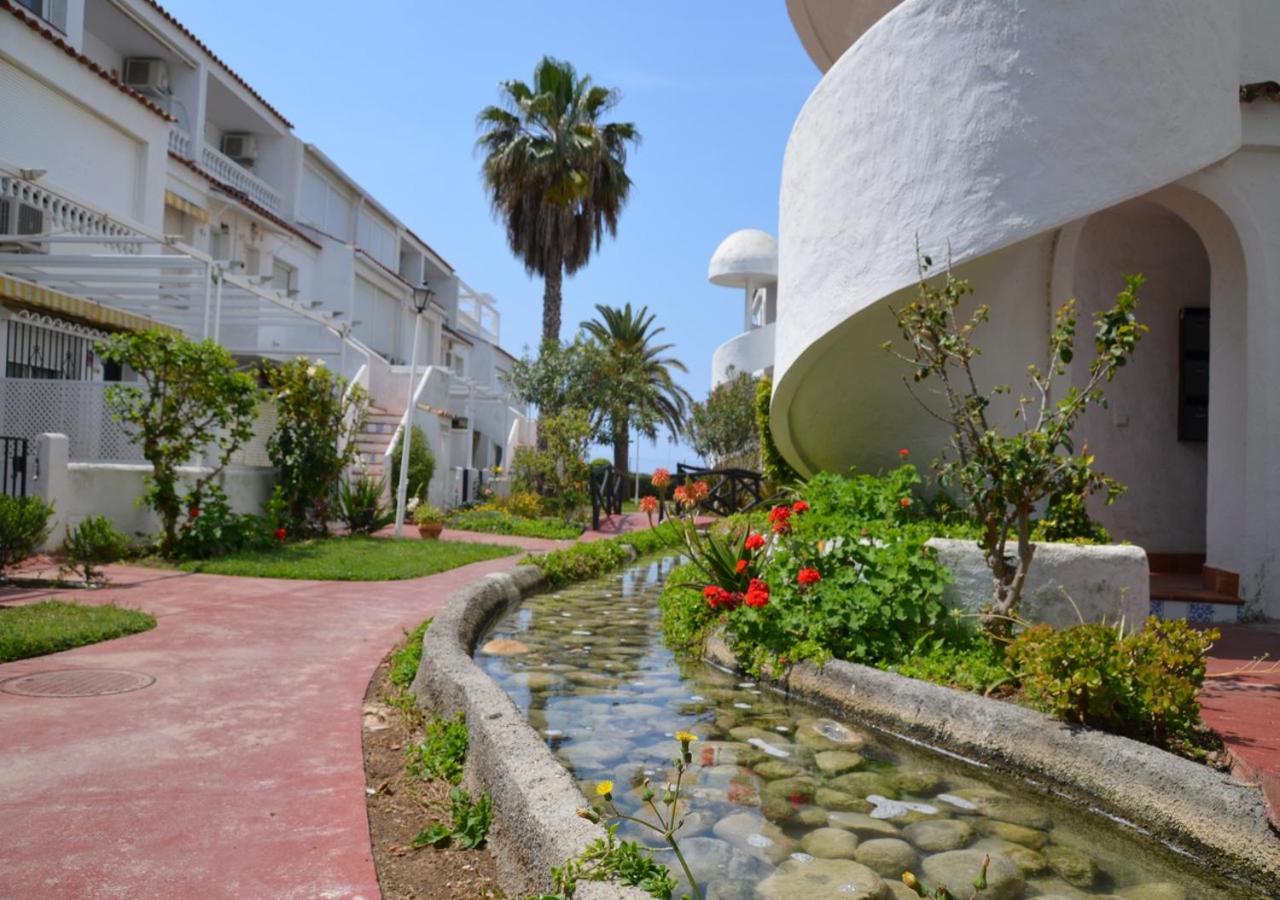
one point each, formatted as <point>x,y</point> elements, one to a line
<point>685,737</point>
<point>604,788</point>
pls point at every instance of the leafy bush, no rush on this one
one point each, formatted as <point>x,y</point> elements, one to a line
<point>193,399</point>
<point>443,750</point>
<point>1143,685</point>
<point>496,521</point>
<point>594,558</point>
<point>470,826</point>
<point>969,662</point>
<point>317,421</point>
<point>687,620</point>
<point>520,503</point>
<point>422,465</point>
<point>213,529</point>
<point>777,471</point>
<point>91,544</point>
<point>362,505</point>
<point>24,526</point>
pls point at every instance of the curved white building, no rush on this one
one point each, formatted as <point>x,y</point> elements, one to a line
<point>747,260</point>
<point>1048,149</point>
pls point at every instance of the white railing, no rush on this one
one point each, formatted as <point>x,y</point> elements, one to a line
<point>433,391</point>
<point>224,168</point>
<point>179,141</point>
<point>479,312</point>
<point>62,215</point>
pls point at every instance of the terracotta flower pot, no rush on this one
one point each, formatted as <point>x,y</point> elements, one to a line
<point>431,530</point>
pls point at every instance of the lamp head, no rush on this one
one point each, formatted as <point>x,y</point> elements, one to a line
<point>422,296</point>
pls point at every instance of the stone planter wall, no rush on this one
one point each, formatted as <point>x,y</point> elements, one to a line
<point>534,798</point>
<point>1105,583</point>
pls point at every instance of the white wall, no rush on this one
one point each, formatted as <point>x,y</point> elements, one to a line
<point>1136,437</point>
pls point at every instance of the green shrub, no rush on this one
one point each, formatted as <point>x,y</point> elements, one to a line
<point>24,526</point>
<point>777,471</point>
<point>592,559</point>
<point>686,618</point>
<point>1142,685</point>
<point>422,465</point>
<point>496,521</point>
<point>606,859</point>
<point>969,662</point>
<point>213,529</point>
<point>519,503</point>
<point>362,505</point>
<point>443,750</point>
<point>91,544</point>
<point>317,422</point>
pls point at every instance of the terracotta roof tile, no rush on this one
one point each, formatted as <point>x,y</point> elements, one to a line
<point>58,41</point>
<point>213,56</point>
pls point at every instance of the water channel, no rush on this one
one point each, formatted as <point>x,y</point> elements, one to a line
<point>785,802</point>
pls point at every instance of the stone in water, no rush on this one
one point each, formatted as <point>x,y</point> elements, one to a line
<point>891,809</point>
<point>762,744</point>
<point>957,802</point>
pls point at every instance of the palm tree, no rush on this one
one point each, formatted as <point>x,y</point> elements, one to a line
<point>641,389</point>
<point>555,174</point>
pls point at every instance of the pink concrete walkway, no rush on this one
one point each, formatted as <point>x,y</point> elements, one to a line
<point>238,773</point>
<point>1245,708</point>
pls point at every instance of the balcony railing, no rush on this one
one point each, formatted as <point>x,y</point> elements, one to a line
<point>478,312</point>
<point>228,170</point>
<point>62,215</point>
<point>179,141</point>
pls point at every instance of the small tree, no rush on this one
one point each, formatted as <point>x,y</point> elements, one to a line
<point>723,427</point>
<point>1004,476</point>
<point>557,471</point>
<point>422,465</point>
<point>193,399</point>
<point>317,421</point>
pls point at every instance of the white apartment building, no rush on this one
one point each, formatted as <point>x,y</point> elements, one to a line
<point>144,183</point>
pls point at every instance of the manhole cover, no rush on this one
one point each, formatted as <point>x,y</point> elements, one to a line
<point>76,683</point>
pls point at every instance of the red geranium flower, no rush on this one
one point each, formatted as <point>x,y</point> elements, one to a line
<point>800,506</point>
<point>741,566</point>
<point>757,594</point>
<point>281,534</point>
<point>780,517</point>
<point>808,576</point>
<point>903,453</point>
<point>904,502</point>
<point>754,541</point>
<point>193,512</point>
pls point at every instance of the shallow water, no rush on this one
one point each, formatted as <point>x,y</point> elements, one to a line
<point>782,800</point>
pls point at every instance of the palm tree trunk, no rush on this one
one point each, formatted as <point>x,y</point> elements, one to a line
<point>621,449</point>
<point>551,304</point>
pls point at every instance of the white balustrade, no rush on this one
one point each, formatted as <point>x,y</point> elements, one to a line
<point>225,169</point>
<point>179,141</point>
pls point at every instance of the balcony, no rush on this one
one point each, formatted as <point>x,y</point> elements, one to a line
<point>750,352</point>
<point>478,313</point>
<point>227,170</point>
<point>179,141</point>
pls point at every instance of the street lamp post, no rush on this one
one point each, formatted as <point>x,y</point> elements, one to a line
<point>421,297</point>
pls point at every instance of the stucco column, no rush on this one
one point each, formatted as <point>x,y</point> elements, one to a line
<point>50,481</point>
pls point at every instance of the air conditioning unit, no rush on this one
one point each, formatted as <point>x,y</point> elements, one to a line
<point>17,218</point>
<point>240,146</point>
<point>147,75</point>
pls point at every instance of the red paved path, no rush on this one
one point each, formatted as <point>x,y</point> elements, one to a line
<point>1245,708</point>
<point>238,773</point>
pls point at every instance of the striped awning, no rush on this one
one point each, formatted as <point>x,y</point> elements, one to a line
<point>33,296</point>
<point>186,206</point>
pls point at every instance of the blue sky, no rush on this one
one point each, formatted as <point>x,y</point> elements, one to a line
<point>390,91</point>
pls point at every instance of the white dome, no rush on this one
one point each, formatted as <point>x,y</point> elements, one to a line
<point>747,257</point>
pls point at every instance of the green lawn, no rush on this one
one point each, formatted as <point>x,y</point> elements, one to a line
<point>493,521</point>
<point>351,559</point>
<point>53,625</point>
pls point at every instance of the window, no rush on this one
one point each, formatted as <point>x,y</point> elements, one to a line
<point>52,11</point>
<point>33,351</point>
<point>283,275</point>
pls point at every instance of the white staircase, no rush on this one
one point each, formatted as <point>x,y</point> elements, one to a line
<point>374,440</point>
